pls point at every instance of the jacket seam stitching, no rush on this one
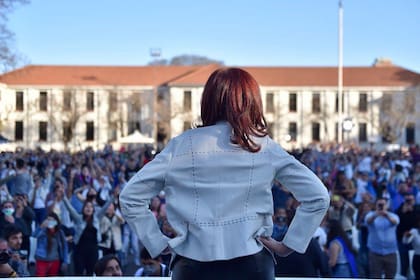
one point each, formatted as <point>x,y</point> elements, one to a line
<point>251,174</point>
<point>194,180</point>
<point>213,152</point>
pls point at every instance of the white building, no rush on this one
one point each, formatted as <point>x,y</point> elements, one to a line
<point>79,106</point>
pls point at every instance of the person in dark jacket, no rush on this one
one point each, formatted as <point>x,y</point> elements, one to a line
<point>312,263</point>
<point>407,215</point>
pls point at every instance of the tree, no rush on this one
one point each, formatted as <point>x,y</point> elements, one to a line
<point>5,115</point>
<point>190,59</point>
<point>395,117</point>
<point>397,111</point>
<point>64,115</point>
<point>129,111</point>
<point>187,59</point>
<point>9,57</point>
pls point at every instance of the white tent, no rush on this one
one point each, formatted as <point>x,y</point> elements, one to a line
<point>4,139</point>
<point>136,138</point>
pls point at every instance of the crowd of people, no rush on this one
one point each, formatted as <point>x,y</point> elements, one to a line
<point>60,214</point>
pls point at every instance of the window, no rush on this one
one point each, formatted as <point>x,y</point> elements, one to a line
<point>269,102</point>
<point>133,126</point>
<point>19,101</point>
<point>270,129</point>
<point>67,100</point>
<point>90,131</point>
<point>386,133</point>
<point>90,102</point>
<point>316,103</point>
<point>187,125</point>
<point>363,104</point>
<point>315,131</point>
<point>292,102</point>
<point>386,102</point>
<point>67,132</point>
<point>19,131</point>
<point>410,102</point>
<point>363,132</point>
<point>293,131</point>
<point>187,101</point>
<point>112,131</point>
<point>113,101</point>
<point>410,133</point>
<point>43,101</point>
<point>43,131</point>
<point>336,102</point>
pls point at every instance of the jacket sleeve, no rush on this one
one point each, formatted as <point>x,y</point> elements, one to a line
<point>308,190</point>
<point>65,257</point>
<point>135,199</point>
<point>28,214</point>
<point>102,210</point>
<point>78,219</point>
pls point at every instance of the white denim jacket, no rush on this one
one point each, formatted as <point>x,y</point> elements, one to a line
<point>219,196</point>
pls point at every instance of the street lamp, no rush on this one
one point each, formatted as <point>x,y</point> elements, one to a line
<point>287,138</point>
<point>340,69</point>
<point>155,53</point>
<point>347,125</point>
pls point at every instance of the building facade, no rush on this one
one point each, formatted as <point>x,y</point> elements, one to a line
<point>74,107</point>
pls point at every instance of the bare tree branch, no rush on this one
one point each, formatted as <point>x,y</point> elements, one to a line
<point>9,57</point>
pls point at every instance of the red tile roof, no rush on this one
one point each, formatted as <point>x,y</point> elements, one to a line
<point>94,75</point>
<point>328,76</point>
<point>197,75</point>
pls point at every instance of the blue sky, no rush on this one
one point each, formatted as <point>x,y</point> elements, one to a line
<point>238,32</point>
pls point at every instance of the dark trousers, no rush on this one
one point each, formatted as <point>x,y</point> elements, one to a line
<point>416,266</point>
<point>259,266</point>
<point>404,258</point>
<point>84,261</point>
<point>386,264</point>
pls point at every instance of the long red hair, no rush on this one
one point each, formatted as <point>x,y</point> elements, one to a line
<point>233,95</point>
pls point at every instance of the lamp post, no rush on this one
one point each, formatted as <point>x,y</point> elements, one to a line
<point>340,70</point>
<point>347,125</point>
<point>155,54</point>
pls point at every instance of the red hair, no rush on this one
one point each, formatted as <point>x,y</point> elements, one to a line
<point>233,95</point>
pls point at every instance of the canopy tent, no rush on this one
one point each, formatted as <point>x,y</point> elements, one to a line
<point>4,139</point>
<point>137,138</point>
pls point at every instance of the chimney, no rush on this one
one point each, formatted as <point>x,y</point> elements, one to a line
<point>382,62</point>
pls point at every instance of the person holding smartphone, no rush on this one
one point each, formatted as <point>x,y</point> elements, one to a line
<point>382,240</point>
<point>18,257</point>
<point>6,269</point>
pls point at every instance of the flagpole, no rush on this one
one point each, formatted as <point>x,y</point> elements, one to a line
<point>340,72</point>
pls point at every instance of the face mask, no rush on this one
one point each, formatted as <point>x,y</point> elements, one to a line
<point>52,223</point>
<point>8,211</point>
<point>149,270</point>
<point>3,193</point>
